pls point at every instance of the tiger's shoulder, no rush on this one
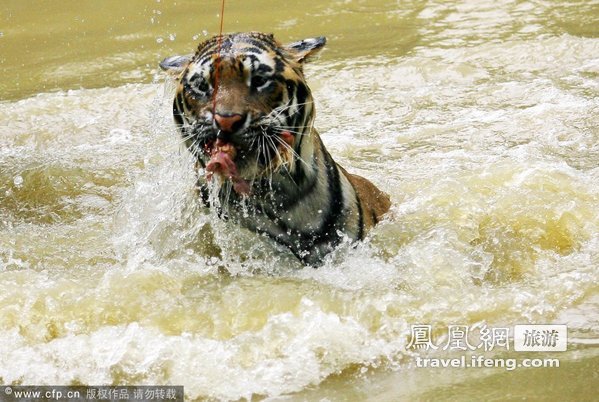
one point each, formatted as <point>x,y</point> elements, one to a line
<point>372,202</point>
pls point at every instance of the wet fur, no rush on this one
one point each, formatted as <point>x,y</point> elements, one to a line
<point>299,196</point>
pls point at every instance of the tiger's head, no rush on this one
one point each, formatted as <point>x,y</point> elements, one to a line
<point>242,103</point>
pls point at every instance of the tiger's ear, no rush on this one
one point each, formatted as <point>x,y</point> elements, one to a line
<point>303,50</point>
<point>175,64</point>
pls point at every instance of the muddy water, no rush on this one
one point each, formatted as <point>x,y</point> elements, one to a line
<point>478,118</point>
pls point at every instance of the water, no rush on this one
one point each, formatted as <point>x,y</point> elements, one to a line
<point>480,119</point>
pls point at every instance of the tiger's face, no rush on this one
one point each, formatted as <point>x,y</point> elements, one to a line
<point>242,104</point>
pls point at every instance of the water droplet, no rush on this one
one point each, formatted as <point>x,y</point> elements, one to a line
<point>159,40</point>
<point>195,37</point>
<point>18,181</point>
<point>172,37</point>
<point>119,135</point>
<point>205,33</point>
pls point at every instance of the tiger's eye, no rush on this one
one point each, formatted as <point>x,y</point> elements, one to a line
<point>258,81</point>
<point>203,86</point>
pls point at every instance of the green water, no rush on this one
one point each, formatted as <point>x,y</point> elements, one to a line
<point>479,118</point>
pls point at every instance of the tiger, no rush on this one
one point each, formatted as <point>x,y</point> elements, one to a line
<point>246,114</point>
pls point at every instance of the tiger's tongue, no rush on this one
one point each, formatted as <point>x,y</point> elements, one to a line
<point>221,163</point>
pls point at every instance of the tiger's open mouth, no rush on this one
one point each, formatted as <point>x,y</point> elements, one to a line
<point>223,154</point>
<point>222,163</point>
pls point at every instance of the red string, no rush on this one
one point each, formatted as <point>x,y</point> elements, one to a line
<point>218,48</point>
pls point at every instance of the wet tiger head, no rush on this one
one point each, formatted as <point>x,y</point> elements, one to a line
<point>245,94</point>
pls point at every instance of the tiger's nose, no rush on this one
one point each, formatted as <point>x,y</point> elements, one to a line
<point>229,123</point>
